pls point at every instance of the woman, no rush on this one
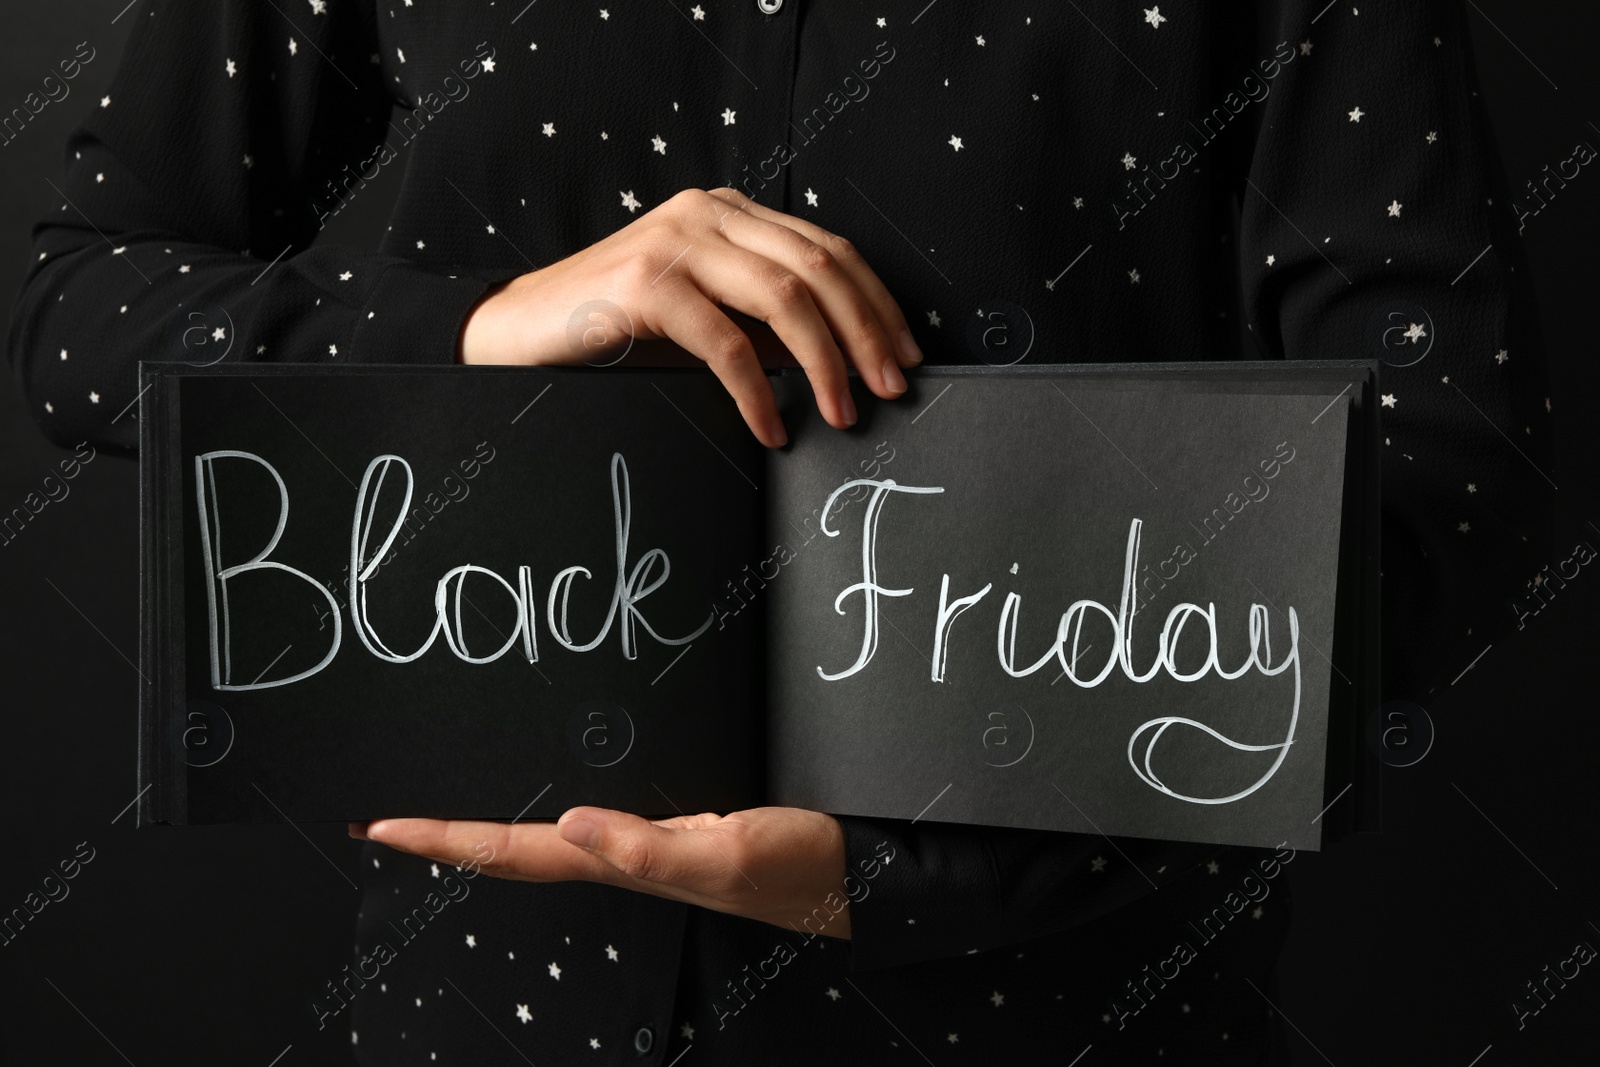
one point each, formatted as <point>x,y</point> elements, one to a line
<point>1273,180</point>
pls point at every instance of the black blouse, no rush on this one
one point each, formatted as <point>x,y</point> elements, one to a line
<point>1204,181</point>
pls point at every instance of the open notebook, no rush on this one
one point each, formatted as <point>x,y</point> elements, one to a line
<point>1134,599</point>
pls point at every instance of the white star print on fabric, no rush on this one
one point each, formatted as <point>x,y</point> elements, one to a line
<point>548,180</point>
<point>105,101</point>
<point>980,40</point>
<point>1465,527</point>
<point>594,1042</point>
<point>1388,400</point>
<point>294,48</point>
<point>1212,867</point>
<point>63,353</point>
<point>1394,209</point>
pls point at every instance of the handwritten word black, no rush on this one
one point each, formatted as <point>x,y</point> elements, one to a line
<point>648,574</point>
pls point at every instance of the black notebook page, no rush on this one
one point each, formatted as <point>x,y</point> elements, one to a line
<point>655,722</point>
<point>1031,485</point>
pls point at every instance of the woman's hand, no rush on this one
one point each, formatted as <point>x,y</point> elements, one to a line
<point>667,272</point>
<point>782,866</point>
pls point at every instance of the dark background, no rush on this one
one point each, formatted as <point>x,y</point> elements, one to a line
<point>207,944</point>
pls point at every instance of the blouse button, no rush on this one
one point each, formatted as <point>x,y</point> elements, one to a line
<point>645,1039</point>
<point>769,7</point>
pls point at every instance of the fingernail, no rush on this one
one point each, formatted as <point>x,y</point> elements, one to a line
<point>847,407</point>
<point>908,347</point>
<point>777,433</point>
<point>358,831</point>
<point>580,832</point>
<point>377,830</point>
<point>892,378</point>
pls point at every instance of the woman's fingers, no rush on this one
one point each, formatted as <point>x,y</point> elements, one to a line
<point>667,272</point>
<point>868,287</point>
<point>764,289</point>
<point>692,321</point>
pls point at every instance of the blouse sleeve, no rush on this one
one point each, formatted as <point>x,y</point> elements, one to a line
<point>1348,220</point>
<point>191,196</point>
<point>1377,222</point>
